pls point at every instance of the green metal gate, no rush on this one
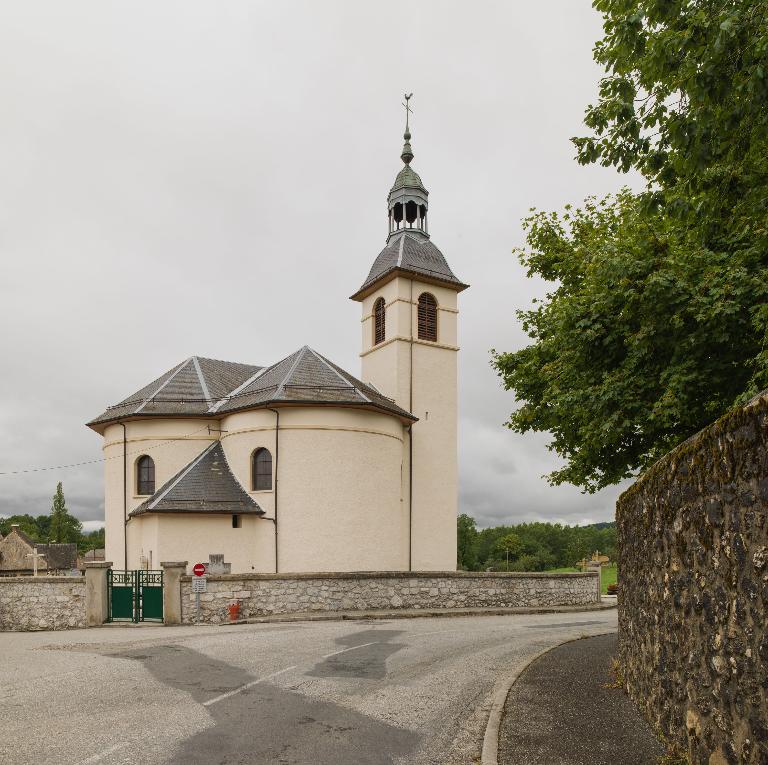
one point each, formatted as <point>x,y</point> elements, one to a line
<point>135,596</point>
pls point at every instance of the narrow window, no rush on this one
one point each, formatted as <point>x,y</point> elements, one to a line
<point>145,475</point>
<point>235,521</point>
<point>379,321</point>
<point>427,317</point>
<point>261,469</point>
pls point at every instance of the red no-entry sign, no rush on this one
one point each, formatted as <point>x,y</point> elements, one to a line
<point>198,569</point>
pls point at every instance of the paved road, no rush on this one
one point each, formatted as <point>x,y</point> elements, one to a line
<point>313,693</point>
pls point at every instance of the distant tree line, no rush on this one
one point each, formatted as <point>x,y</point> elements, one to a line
<point>530,546</point>
<point>57,526</point>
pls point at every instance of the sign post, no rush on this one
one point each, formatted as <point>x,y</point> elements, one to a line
<point>199,584</point>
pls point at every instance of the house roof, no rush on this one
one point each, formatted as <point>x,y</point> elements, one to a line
<point>412,255</point>
<point>208,388</point>
<point>206,485</point>
<point>58,556</point>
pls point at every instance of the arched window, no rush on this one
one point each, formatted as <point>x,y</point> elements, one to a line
<point>379,321</point>
<point>427,317</point>
<point>145,475</point>
<point>261,470</point>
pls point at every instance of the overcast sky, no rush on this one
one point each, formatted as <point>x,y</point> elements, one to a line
<point>210,178</point>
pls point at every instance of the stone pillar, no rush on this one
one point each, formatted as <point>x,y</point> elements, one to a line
<point>172,573</point>
<point>96,603</point>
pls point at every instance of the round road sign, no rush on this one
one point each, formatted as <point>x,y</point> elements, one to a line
<point>198,569</point>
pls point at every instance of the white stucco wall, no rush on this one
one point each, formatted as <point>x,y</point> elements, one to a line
<point>340,487</point>
<point>172,444</point>
<point>422,377</point>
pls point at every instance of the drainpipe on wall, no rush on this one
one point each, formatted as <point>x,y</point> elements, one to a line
<point>410,495</point>
<point>410,445</point>
<point>277,463</point>
<point>125,499</point>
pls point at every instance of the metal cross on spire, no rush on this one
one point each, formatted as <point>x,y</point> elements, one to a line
<point>408,110</point>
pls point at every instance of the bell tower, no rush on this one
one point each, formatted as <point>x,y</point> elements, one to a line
<point>409,352</point>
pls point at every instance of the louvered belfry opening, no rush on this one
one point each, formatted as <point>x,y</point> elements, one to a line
<point>427,317</point>
<point>379,321</point>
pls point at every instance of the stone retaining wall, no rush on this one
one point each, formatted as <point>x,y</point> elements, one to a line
<point>693,591</point>
<point>264,594</point>
<point>42,603</point>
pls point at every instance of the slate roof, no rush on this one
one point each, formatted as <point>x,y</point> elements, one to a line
<point>58,556</point>
<point>405,252</point>
<point>190,388</point>
<point>206,485</point>
<point>308,377</point>
<point>205,387</point>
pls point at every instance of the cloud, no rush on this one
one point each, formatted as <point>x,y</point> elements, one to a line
<point>213,182</point>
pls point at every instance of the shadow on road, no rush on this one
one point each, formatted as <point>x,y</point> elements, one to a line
<point>367,662</point>
<point>268,724</point>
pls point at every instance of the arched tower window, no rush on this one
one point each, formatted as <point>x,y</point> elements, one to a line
<point>379,321</point>
<point>427,317</point>
<point>145,475</point>
<point>261,470</point>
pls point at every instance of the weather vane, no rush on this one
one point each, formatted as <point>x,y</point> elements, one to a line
<point>408,110</point>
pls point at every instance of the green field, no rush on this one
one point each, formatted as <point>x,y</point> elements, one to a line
<point>608,575</point>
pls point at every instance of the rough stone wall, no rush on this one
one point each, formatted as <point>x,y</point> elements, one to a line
<point>262,594</point>
<point>693,557</point>
<point>42,603</point>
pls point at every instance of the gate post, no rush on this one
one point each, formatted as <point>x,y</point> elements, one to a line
<point>96,607</point>
<point>172,573</point>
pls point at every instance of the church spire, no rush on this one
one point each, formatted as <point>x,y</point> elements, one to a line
<point>407,154</point>
<point>407,202</point>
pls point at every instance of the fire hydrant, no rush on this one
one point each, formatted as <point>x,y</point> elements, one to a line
<point>234,611</point>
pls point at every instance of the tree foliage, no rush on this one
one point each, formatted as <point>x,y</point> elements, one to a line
<point>64,527</point>
<point>658,318</point>
<point>466,548</point>
<point>537,546</point>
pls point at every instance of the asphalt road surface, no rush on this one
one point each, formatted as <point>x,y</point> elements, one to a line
<point>310,693</point>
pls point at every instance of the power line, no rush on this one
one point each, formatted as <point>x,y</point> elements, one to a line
<point>102,459</point>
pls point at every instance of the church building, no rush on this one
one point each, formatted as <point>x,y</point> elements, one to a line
<point>299,466</point>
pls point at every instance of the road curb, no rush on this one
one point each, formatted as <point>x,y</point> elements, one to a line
<point>490,752</point>
<point>327,616</point>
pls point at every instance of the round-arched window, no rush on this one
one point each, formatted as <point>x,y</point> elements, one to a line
<point>261,470</point>
<point>145,475</point>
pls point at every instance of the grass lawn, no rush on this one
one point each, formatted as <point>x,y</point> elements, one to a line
<point>608,575</point>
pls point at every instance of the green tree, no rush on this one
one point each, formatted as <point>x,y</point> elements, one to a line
<point>511,546</point>
<point>467,539</point>
<point>27,524</point>
<point>93,540</point>
<point>657,322</point>
<point>64,527</point>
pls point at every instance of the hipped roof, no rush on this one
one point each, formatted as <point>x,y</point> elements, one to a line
<point>411,255</point>
<point>209,388</point>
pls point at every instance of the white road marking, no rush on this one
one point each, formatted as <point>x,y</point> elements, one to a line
<point>101,755</point>
<point>351,648</point>
<point>245,687</point>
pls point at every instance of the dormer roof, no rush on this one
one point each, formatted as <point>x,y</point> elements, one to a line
<point>205,485</point>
